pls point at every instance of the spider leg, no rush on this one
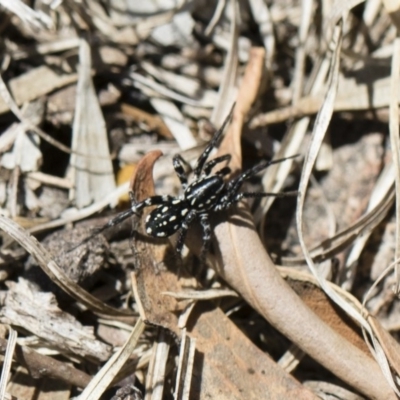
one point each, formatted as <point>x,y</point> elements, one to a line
<point>227,201</point>
<point>135,209</point>
<point>213,143</point>
<point>224,171</point>
<point>205,223</point>
<point>211,164</point>
<point>247,195</point>
<point>184,229</point>
<point>178,163</point>
<point>152,201</point>
<point>235,185</point>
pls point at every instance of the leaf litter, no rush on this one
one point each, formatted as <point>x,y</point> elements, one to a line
<point>302,304</point>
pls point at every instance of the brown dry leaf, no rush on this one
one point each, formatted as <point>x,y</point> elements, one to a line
<point>307,288</point>
<point>153,275</point>
<point>92,175</point>
<point>233,367</point>
<point>226,362</point>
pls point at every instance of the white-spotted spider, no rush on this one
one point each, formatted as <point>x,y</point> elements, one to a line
<point>206,193</point>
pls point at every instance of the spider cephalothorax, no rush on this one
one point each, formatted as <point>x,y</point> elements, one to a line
<point>207,192</point>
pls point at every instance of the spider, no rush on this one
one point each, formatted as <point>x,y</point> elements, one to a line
<point>206,193</point>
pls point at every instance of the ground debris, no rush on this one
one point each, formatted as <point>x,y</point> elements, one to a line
<point>92,92</point>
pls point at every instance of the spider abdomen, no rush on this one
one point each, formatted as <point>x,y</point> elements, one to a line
<point>204,193</point>
<point>166,219</point>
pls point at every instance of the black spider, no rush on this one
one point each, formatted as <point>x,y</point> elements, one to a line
<point>206,193</point>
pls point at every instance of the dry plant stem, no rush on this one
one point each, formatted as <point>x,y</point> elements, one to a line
<point>7,361</point>
<point>39,366</point>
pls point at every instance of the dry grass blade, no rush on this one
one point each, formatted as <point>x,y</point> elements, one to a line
<point>320,128</point>
<point>276,175</point>
<point>209,294</point>
<point>155,379</point>
<point>298,79</point>
<point>337,12</point>
<point>185,367</point>
<point>105,376</point>
<point>395,144</point>
<point>93,176</point>
<point>8,357</point>
<point>143,83</point>
<point>173,118</point>
<point>326,390</point>
<point>381,344</point>
<point>262,16</point>
<point>33,247</point>
<point>216,17</point>
<point>227,87</point>
<point>353,95</point>
<point>383,190</point>
<point>36,19</point>
<point>332,246</point>
<point>51,180</point>
<point>75,215</point>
